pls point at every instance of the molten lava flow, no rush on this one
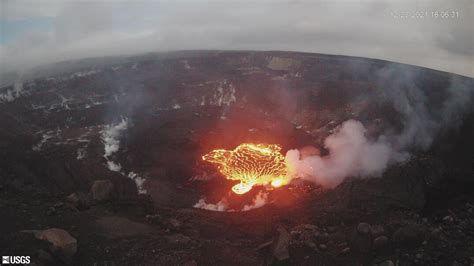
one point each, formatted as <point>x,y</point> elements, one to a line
<point>251,164</point>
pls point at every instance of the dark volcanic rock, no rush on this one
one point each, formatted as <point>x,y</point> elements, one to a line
<point>79,200</point>
<point>410,235</point>
<point>103,190</point>
<point>361,242</point>
<point>363,228</point>
<point>377,230</point>
<point>307,235</point>
<point>387,263</point>
<point>45,257</point>
<point>172,224</point>
<point>380,242</point>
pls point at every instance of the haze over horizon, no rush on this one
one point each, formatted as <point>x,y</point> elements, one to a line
<point>40,32</point>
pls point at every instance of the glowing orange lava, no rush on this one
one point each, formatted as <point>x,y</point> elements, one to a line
<point>251,164</point>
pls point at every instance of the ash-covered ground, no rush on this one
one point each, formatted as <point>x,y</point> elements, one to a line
<point>101,161</point>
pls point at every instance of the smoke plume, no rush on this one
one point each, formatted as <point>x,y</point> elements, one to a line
<point>353,154</point>
<point>350,154</point>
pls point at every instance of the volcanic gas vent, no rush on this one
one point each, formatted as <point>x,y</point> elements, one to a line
<point>251,164</point>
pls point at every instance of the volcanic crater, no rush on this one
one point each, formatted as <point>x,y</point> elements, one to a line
<point>110,150</point>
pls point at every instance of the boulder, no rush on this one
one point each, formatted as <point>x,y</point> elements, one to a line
<point>361,240</point>
<point>363,228</point>
<point>380,242</point>
<point>103,190</point>
<point>280,248</point>
<point>377,230</point>
<point>304,234</point>
<point>387,263</point>
<point>62,241</point>
<point>411,234</point>
<point>154,218</point>
<point>172,224</point>
<point>345,251</point>
<point>448,219</point>
<point>79,200</point>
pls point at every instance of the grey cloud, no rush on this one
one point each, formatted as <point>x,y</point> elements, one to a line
<point>458,40</point>
<point>91,19</point>
<point>359,28</point>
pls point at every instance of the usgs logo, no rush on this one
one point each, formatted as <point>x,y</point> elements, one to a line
<point>15,259</point>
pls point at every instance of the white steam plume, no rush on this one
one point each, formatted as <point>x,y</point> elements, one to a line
<point>222,206</point>
<point>139,182</point>
<point>351,154</point>
<point>110,136</point>
<point>259,201</point>
<point>11,95</point>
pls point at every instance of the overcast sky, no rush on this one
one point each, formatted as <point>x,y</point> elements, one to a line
<point>43,31</point>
